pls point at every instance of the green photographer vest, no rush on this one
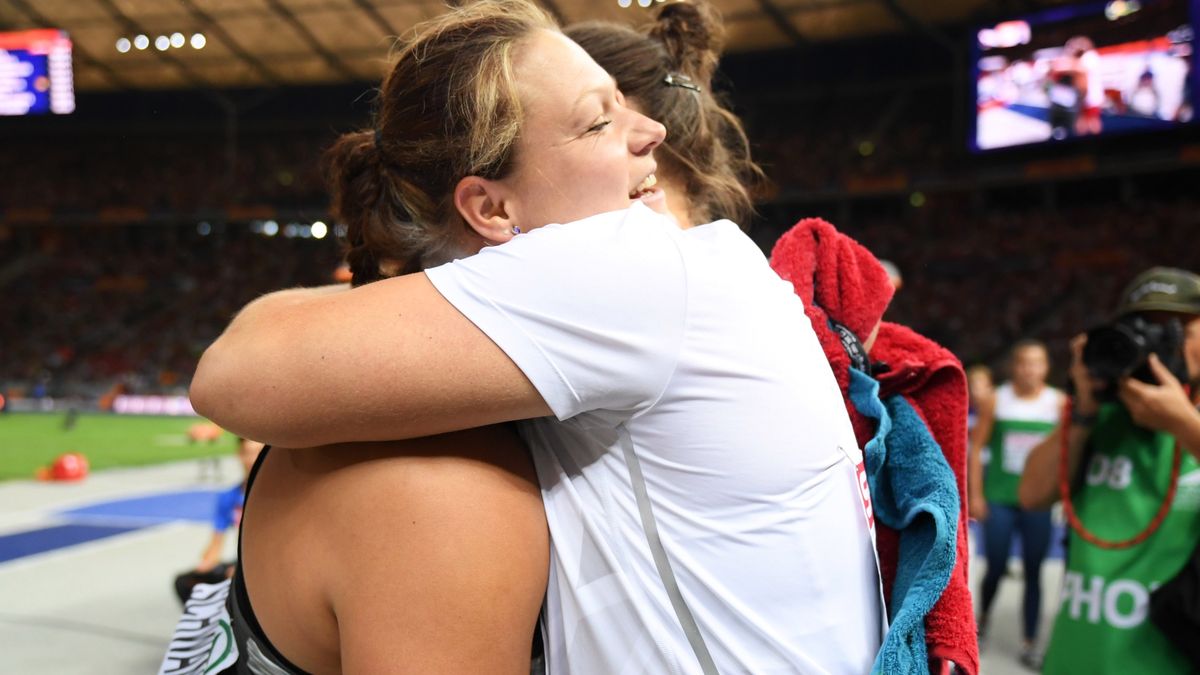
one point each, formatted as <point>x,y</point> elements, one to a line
<point>1103,624</point>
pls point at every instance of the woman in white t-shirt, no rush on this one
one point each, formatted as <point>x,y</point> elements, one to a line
<point>695,459</point>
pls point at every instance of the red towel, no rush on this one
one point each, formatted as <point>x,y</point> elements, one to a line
<point>841,280</point>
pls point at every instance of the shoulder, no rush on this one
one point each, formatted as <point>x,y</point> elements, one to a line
<point>611,250</point>
<point>635,225</point>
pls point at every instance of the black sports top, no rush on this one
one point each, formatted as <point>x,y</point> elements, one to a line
<point>256,654</point>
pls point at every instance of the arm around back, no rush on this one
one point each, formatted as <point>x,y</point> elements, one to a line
<point>565,319</point>
<point>1039,481</point>
<point>389,360</point>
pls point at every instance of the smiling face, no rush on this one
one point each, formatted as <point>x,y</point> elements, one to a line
<point>1031,366</point>
<point>582,150</point>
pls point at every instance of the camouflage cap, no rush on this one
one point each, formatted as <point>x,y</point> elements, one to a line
<point>1162,289</point>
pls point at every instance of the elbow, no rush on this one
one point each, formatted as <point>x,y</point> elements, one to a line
<point>1025,498</point>
<point>235,390</point>
<point>211,390</point>
<point>221,393</point>
<point>1034,497</point>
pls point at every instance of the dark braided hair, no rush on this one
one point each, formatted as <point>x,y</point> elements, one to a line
<point>706,147</point>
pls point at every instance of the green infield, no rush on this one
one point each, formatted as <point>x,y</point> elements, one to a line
<point>30,441</point>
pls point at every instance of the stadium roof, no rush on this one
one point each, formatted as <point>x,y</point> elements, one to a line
<point>294,42</point>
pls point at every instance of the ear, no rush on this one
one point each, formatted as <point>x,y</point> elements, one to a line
<point>482,204</point>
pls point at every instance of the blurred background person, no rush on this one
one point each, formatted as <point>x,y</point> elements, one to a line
<point>981,393</point>
<point>227,515</point>
<point>1090,81</point>
<point>1021,414</point>
<point>893,273</point>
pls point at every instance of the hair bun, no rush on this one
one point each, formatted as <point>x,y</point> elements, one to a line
<point>693,35</point>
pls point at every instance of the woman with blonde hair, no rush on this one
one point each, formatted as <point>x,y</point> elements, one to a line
<point>689,439</point>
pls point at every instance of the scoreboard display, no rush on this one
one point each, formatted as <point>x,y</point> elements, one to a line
<point>35,73</point>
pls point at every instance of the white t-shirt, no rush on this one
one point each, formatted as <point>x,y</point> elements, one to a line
<point>688,348</point>
<point>1034,418</point>
<point>1045,407</point>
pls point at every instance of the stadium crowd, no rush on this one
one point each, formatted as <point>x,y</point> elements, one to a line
<point>164,173</point>
<point>92,307</point>
<point>134,304</point>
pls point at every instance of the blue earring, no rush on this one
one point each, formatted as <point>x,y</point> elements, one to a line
<point>516,230</point>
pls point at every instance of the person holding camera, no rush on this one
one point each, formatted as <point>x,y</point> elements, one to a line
<point>1129,466</point>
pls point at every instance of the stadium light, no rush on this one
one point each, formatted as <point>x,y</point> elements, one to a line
<point>177,40</point>
<point>624,3</point>
<point>270,228</point>
<point>162,43</point>
<point>204,229</point>
<point>644,3</point>
<point>141,42</point>
<point>124,45</point>
<point>319,230</point>
<point>198,41</point>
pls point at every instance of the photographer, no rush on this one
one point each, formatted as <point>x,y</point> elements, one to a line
<point>1131,534</point>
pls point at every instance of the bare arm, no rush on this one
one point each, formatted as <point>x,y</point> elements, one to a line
<point>977,504</point>
<point>389,360</point>
<point>1039,481</point>
<point>212,553</point>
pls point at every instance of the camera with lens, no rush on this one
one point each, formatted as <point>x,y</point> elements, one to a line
<point>1123,348</point>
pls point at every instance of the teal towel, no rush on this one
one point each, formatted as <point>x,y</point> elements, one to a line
<point>913,491</point>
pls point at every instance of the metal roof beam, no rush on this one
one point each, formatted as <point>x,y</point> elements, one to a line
<point>378,19</point>
<point>329,57</point>
<point>916,24</point>
<point>221,34</point>
<point>782,22</point>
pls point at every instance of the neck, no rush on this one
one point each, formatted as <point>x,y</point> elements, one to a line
<point>1028,391</point>
<point>677,202</point>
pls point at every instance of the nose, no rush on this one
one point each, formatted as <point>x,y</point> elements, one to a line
<point>645,134</point>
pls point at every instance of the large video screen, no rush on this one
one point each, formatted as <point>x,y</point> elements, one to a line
<point>35,73</point>
<point>1087,70</point>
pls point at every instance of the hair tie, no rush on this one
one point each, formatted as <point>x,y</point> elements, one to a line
<point>680,80</point>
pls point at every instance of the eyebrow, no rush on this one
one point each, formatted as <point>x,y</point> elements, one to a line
<point>600,90</point>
